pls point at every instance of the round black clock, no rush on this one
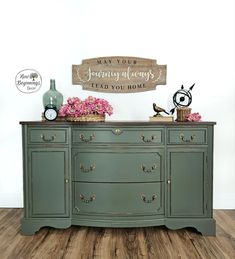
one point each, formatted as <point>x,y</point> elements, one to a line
<point>50,113</point>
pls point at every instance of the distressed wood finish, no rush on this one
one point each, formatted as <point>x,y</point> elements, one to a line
<point>107,243</point>
<point>118,175</point>
<point>119,74</point>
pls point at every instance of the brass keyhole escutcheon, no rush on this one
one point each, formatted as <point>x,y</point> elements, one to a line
<point>117,131</point>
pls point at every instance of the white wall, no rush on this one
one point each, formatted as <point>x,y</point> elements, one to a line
<point>194,38</point>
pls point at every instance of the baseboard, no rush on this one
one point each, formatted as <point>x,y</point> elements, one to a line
<point>11,200</point>
<point>224,201</point>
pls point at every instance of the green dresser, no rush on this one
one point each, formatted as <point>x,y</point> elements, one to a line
<point>118,174</point>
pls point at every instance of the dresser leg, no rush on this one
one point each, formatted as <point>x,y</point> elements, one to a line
<point>30,226</point>
<point>207,227</point>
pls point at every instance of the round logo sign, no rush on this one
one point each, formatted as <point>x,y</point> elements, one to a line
<point>28,81</point>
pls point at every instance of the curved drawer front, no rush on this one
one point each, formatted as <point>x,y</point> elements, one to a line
<point>41,135</point>
<point>117,166</point>
<point>117,135</point>
<point>118,199</point>
<point>187,136</point>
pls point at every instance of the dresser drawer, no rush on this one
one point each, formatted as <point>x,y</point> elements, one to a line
<point>118,165</point>
<point>118,135</point>
<point>187,136</point>
<point>45,135</point>
<point>118,199</point>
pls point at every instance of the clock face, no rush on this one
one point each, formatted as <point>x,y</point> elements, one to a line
<point>50,114</point>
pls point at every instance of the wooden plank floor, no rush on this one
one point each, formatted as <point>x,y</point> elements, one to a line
<point>108,243</point>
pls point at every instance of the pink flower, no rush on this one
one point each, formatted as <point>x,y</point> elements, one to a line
<point>63,110</point>
<point>193,117</point>
<point>91,105</point>
<point>73,100</point>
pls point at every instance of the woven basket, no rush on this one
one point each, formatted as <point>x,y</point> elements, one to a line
<point>89,117</point>
<point>182,113</point>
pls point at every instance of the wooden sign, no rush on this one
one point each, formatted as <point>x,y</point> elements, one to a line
<point>119,74</point>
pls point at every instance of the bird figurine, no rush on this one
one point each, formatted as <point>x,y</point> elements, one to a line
<point>158,109</point>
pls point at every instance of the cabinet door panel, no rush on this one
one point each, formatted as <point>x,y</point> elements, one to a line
<point>187,174</point>
<point>48,193</point>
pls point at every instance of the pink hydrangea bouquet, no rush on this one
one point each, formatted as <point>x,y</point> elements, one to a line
<point>193,117</point>
<point>77,108</point>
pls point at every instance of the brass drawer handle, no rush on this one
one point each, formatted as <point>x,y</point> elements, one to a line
<point>117,131</point>
<point>147,140</point>
<point>87,170</point>
<point>48,139</point>
<point>83,199</point>
<point>144,199</point>
<point>183,139</point>
<point>84,139</point>
<point>148,170</point>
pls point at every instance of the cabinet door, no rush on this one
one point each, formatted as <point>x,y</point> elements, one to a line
<point>48,176</point>
<point>187,177</point>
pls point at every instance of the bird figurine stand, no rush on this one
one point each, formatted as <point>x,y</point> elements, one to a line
<point>158,116</point>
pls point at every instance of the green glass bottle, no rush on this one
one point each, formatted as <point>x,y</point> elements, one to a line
<point>52,98</point>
